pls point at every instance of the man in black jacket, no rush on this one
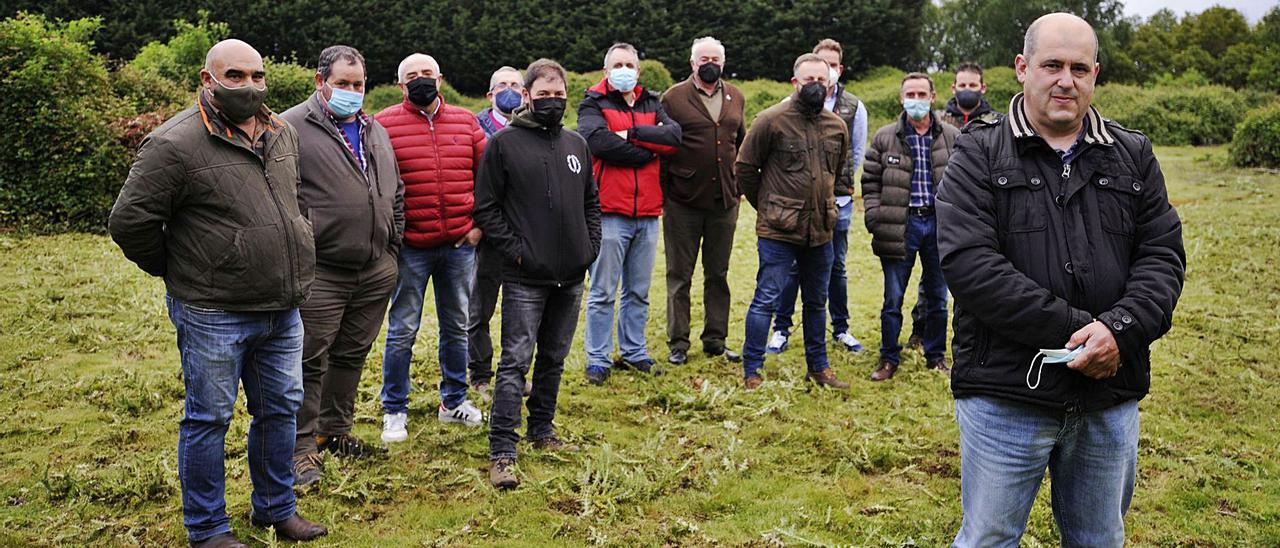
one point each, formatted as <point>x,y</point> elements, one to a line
<point>1056,233</point>
<point>352,194</point>
<point>536,202</point>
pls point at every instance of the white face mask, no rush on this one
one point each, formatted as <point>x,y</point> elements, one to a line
<point>833,75</point>
<point>1050,355</point>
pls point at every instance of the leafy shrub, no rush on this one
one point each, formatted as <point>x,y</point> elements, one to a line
<point>180,59</point>
<point>655,76</point>
<point>62,164</point>
<point>288,84</point>
<point>380,97</point>
<point>1257,138</point>
<point>1176,115</point>
<point>147,91</point>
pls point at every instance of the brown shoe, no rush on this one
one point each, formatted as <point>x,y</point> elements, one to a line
<point>225,540</point>
<point>827,378</point>
<point>296,528</point>
<point>753,382</point>
<point>307,471</point>
<point>941,365</point>
<point>885,371</point>
<point>553,443</point>
<point>346,445</point>
<point>502,474</point>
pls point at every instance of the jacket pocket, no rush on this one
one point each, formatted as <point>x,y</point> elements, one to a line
<point>783,213</point>
<point>793,154</point>
<point>254,268</point>
<point>343,234</point>
<point>1115,196</point>
<point>1020,199</point>
<point>831,156</point>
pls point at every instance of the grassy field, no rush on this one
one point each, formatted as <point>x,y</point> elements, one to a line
<point>91,398</point>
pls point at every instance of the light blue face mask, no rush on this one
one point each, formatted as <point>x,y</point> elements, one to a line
<point>624,79</point>
<point>345,103</point>
<point>917,109</point>
<point>1050,355</point>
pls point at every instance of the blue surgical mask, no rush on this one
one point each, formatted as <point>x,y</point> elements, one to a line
<point>507,100</point>
<point>917,109</point>
<point>1049,355</point>
<point>624,79</point>
<point>345,103</point>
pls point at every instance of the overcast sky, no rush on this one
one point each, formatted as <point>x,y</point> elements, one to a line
<point>1253,10</point>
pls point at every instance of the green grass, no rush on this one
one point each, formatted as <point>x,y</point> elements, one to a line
<point>91,398</point>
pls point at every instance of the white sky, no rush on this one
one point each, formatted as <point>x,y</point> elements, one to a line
<point>1253,10</point>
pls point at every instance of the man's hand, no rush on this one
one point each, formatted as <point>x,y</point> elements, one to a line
<point>471,238</point>
<point>1100,358</point>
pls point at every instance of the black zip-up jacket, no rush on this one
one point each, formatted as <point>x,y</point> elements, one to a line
<point>952,114</point>
<point>1034,249</point>
<point>537,202</point>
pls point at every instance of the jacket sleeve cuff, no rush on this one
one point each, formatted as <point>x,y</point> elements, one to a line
<point>1124,327</point>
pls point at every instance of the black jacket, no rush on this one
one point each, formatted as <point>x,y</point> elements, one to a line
<point>956,117</point>
<point>537,203</point>
<point>1033,250</point>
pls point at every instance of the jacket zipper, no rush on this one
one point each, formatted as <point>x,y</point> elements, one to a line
<point>635,171</point>
<point>435,148</point>
<point>286,222</point>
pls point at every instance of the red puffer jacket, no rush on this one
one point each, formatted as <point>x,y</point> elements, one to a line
<point>627,170</point>
<point>438,158</point>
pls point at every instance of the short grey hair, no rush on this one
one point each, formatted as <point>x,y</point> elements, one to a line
<point>333,54</point>
<point>414,57</point>
<point>693,50</point>
<point>806,58</point>
<point>493,80</point>
<point>1032,36</point>
<point>618,46</point>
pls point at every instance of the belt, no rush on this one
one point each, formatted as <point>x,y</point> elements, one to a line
<point>926,211</point>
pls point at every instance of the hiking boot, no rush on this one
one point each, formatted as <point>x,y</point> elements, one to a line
<point>722,351</point>
<point>941,365</point>
<point>554,444</point>
<point>346,445</point>
<point>466,413</point>
<point>502,474</point>
<point>753,382</point>
<point>885,371</point>
<point>646,366</point>
<point>777,342</point>
<point>827,378</point>
<point>307,470</point>
<point>915,341</point>
<point>395,427</point>
<point>295,528</point>
<point>678,356</point>
<point>225,540</point>
<point>596,375</point>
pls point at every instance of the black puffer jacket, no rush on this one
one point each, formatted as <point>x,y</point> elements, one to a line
<point>1033,250</point>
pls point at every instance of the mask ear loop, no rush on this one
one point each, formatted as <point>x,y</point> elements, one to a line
<point>1032,367</point>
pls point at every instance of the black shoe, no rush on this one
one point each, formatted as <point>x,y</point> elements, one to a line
<point>645,366</point>
<point>307,470</point>
<point>346,445</point>
<point>597,375</point>
<point>722,351</point>
<point>225,540</point>
<point>915,341</point>
<point>678,357</point>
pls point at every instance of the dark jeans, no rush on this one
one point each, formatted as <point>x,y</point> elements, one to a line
<point>776,258</point>
<point>684,230</point>
<point>341,319</point>
<point>221,350</point>
<point>484,300</point>
<point>534,317</point>
<point>917,315</point>
<point>921,238</point>
<point>449,269</point>
<point>837,290</point>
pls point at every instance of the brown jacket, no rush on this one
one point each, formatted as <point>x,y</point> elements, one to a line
<point>886,181</point>
<point>701,173</point>
<point>787,169</point>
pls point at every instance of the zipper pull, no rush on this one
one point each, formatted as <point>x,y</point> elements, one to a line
<point>1066,171</point>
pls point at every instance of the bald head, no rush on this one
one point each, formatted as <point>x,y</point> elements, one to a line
<point>1058,27</point>
<point>234,63</point>
<point>415,65</point>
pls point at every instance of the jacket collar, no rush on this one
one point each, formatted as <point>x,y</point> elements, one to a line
<point>905,128</point>
<point>953,108</point>
<point>1095,131</point>
<point>217,124</point>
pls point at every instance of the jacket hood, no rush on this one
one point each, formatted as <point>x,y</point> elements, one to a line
<point>522,116</point>
<point>953,108</point>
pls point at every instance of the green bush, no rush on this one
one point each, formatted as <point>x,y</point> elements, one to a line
<point>62,163</point>
<point>380,97</point>
<point>288,84</point>
<point>181,58</point>
<point>655,76</point>
<point>1177,114</point>
<point>1257,139</point>
<point>147,91</point>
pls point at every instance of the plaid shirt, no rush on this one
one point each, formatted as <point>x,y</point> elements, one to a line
<point>921,175</point>
<point>357,152</point>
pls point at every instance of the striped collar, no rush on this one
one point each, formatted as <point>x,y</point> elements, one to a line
<point>1095,131</point>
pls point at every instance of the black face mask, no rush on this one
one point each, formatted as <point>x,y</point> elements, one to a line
<point>709,73</point>
<point>422,91</point>
<point>548,111</point>
<point>812,97</point>
<point>968,99</point>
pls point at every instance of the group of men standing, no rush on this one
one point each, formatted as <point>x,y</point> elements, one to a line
<point>283,240</point>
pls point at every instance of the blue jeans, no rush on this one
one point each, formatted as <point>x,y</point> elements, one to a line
<point>628,248</point>
<point>452,268</point>
<point>220,350</point>
<point>1004,449</point>
<point>776,258</point>
<point>837,290</point>
<point>922,238</point>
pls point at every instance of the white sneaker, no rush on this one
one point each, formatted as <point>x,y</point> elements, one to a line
<point>465,413</point>
<point>850,343</point>
<point>395,427</point>
<point>777,343</point>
